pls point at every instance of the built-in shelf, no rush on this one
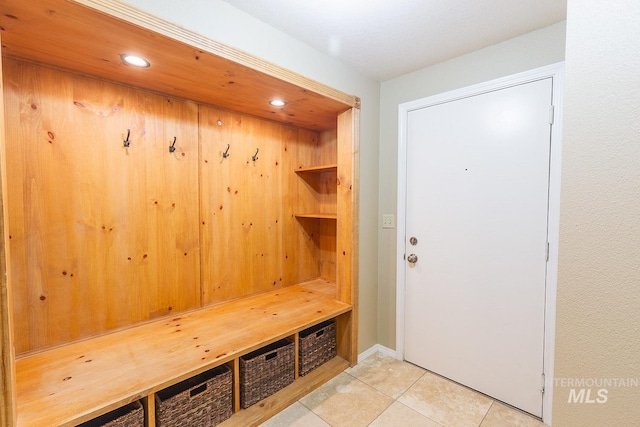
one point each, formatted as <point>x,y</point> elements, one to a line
<point>82,380</point>
<point>318,169</point>
<point>67,53</point>
<point>317,216</point>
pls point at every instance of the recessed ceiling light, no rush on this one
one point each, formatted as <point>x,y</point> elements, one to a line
<point>136,61</point>
<point>277,103</point>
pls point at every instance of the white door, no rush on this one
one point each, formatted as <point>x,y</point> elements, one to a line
<point>477,204</point>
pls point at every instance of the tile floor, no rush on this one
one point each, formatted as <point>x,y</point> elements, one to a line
<point>384,392</point>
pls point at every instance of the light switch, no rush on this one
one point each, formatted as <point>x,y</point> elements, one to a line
<point>388,221</point>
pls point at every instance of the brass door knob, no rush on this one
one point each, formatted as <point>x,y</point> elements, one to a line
<point>413,258</point>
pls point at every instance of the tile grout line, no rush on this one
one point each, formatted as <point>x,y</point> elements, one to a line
<point>403,392</point>
<point>487,413</point>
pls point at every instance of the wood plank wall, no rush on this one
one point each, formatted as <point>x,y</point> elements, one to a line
<point>251,241</point>
<point>7,356</point>
<point>103,236</point>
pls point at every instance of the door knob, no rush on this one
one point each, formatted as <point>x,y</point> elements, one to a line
<point>413,258</point>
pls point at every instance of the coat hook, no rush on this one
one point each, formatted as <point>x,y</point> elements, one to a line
<point>255,156</point>
<point>126,142</point>
<point>226,153</point>
<point>172,147</point>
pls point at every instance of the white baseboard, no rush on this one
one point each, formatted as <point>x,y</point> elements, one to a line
<point>377,349</point>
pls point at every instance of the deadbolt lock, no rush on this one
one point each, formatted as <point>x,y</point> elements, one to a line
<point>413,241</point>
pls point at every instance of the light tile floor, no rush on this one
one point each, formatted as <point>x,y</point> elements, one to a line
<point>384,392</point>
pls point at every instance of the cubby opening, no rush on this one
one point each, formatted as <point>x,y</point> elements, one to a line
<point>160,225</point>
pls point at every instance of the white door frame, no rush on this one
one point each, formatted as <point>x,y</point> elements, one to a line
<point>556,72</point>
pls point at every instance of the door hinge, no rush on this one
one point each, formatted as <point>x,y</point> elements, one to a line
<point>547,254</point>
<point>551,114</point>
<point>543,384</point>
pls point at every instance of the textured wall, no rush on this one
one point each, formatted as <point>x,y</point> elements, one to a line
<point>598,324</point>
<point>532,50</point>
<point>219,21</point>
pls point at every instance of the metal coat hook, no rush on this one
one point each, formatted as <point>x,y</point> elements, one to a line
<point>172,147</point>
<point>255,156</point>
<point>226,153</point>
<point>126,142</point>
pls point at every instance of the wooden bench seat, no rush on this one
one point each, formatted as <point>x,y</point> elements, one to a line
<point>79,381</point>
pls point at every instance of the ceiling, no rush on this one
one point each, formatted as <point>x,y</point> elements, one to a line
<point>384,39</point>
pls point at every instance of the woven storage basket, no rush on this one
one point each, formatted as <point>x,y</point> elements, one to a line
<point>316,345</point>
<point>265,371</point>
<point>204,400</point>
<point>131,415</point>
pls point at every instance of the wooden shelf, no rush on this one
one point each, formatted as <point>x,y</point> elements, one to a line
<point>318,169</point>
<point>82,380</point>
<point>317,216</point>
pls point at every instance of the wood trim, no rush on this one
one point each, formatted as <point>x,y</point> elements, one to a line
<point>296,352</point>
<point>7,364</point>
<point>235,368</point>
<point>149,404</point>
<point>153,23</point>
<point>355,233</point>
<point>347,230</point>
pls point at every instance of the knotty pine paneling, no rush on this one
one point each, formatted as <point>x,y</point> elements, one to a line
<point>250,239</point>
<point>104,236</point>
<point>101,236</point>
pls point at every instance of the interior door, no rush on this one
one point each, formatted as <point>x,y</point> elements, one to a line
<point>476,240</point>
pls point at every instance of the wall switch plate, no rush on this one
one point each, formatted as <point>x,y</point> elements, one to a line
<point>388,221</point>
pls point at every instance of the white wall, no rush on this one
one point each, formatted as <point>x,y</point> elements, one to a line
<point>221,22</point>
<point>598,303</point>
<point>532,50</point>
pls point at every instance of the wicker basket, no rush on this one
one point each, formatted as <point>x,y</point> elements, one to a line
<point>317,345</point>
<point>131,415</point>
<point>265,371</point>
<point>204,400</point>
